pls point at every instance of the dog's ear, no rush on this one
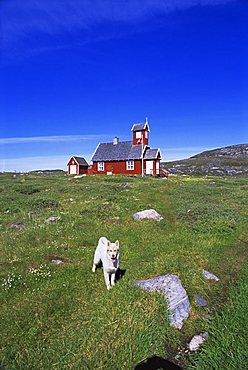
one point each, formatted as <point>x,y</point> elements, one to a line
<point>108,244</point>
<point>117,244</point>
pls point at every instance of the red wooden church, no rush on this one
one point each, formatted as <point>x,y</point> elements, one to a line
<point>127,157</point>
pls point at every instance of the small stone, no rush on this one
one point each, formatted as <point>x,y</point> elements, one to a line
<point>124,185</point>
<point>200,301</point>
<point>148,213</point>
<point>208,275</point>
<point>197,341</point>
<point>57,261</point>
<point>53,219</point>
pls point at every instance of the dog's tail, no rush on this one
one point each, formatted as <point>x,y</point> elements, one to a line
<point>103,240</point>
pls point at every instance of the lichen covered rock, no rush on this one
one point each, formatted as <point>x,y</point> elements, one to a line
<point>175,294</point>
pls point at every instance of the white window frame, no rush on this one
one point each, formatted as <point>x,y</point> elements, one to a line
<point>146,134</point>
<point>130,165</point>
<point>138,135</point>
<point>100,166</point>
<point>157,167</point>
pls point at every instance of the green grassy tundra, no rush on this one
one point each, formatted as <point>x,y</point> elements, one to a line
<point>62,316</point>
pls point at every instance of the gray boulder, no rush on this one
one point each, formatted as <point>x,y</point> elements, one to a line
<point>171,287</point>
<point>148,213</point>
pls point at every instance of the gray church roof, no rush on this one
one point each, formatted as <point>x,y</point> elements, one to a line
<point>151,153</point>
<point>140,126</point>
<point>122,151</point>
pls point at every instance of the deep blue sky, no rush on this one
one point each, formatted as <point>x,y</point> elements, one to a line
<point>74,73</point>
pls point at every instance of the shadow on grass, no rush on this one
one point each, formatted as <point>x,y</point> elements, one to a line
<point>119,274</point>
<point>155,363</point>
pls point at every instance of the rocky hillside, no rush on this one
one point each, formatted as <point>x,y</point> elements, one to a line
<point>227,161</point>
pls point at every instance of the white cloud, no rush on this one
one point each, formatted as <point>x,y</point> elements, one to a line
<point>187,148</point>
<point>34,27</point>
<point>52,139</point>
<point>31,153</point>
<point>53,17</point>
<point>26,164</point>
<point>173,154</point>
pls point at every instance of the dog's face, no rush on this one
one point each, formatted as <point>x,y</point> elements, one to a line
<point>113,250</point>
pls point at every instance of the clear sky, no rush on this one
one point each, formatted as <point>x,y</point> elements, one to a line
<point>78,72</point>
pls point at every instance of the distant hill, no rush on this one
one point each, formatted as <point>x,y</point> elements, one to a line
<point>227,161</point>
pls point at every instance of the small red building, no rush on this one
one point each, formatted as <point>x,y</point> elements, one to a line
<point>77,166</point>
<point>127,157</point>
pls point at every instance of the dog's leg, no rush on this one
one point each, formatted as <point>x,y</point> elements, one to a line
<point>113,279</point>
<point>96,260</point>
<point>94,265</point>
<point>106,278</point>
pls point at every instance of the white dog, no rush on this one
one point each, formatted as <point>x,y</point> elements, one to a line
<point>108,253</point>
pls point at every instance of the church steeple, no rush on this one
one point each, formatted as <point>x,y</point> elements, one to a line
<point>141,133</point>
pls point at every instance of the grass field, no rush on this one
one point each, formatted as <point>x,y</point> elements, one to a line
<point>63,317</point>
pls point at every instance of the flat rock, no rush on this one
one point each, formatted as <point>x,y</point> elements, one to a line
<point>175,294</point>
<point>79,176</point>
<point>148,213</point>
<point>197,341</point>
<point>208,275</point>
